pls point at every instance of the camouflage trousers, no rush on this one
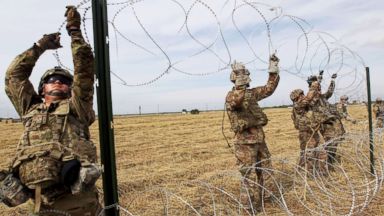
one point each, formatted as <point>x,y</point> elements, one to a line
<point>253,161</point>
<point>333,135</point>
<point>314,160</point>
<point>380,123</point>
<point>83,204</point>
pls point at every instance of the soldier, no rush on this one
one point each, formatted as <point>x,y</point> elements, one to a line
<point>247,121</point>
<point>342,109</point>
<point>378,109</point>
<point>310,158</point>
<point>56,160</point>
<point>331,127</point>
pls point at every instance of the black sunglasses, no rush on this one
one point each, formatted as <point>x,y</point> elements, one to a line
<point>61,79</point>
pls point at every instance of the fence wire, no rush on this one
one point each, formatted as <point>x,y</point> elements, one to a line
<point>346,189</point>
<point>205,37</point>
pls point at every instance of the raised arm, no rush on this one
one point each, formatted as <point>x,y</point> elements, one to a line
<point>313,95</point>
<point>331,87</point>
<point>83,60</point>
<point>273,80</point>
<point>17,84</point>
<point>262,92</point>
<point>309,99</point>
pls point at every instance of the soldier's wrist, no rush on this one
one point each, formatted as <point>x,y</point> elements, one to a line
<point>38,48</point>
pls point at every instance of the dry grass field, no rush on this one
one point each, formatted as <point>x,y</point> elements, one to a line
<point>176,164</point>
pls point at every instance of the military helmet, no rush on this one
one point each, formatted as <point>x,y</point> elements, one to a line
<point>233,77</point>
<point>344,97</point>
<point>54,71</point>
<point>295,94</point>
<point>379,100</point>
<point>239,75</point>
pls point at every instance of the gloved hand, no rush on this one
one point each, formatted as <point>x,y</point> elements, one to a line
<point>273,64</point>
<point>73,19</point>
<point>88,176</point>
<point>334,76</point>
<point>320,77</point>
<point>49,41</point>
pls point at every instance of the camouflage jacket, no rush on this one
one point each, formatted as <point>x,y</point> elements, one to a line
<point>320,99</point>
<point>378,109</point>
<point>343,112</point>
<point>244,111</point>
<point>302,115</point>
<point>323,110</point>
<point>62,129</point>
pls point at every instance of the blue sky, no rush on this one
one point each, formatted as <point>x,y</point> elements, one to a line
<point>339,35</point>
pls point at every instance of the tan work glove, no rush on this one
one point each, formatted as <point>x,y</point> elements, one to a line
<point>273,64</point>
<point>73,19</point>
<point>49,41</point>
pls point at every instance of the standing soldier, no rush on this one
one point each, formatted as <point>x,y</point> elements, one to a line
<point>378,108</point>
<point>247,121</point>
<point>342,109</point>
<point>55,158</point>
<point>311,159</point>
<point>331,127</point>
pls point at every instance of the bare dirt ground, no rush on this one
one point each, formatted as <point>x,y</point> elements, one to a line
<point>176,164</point>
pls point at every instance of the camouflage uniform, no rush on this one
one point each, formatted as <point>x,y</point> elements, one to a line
<point>342,109</point>
<point>331,127</point>
<point>247,121</point>
<point>305,123</point>
<point>60,130</point>
<point>378,109</point>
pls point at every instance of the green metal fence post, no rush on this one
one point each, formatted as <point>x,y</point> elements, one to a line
<point>104,105</point>
<point>371,148</point>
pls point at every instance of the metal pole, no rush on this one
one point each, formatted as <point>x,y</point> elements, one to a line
<point>104,105</point>
<point>371,149</point>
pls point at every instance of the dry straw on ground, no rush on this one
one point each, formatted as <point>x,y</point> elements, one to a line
<point>178,164</point>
